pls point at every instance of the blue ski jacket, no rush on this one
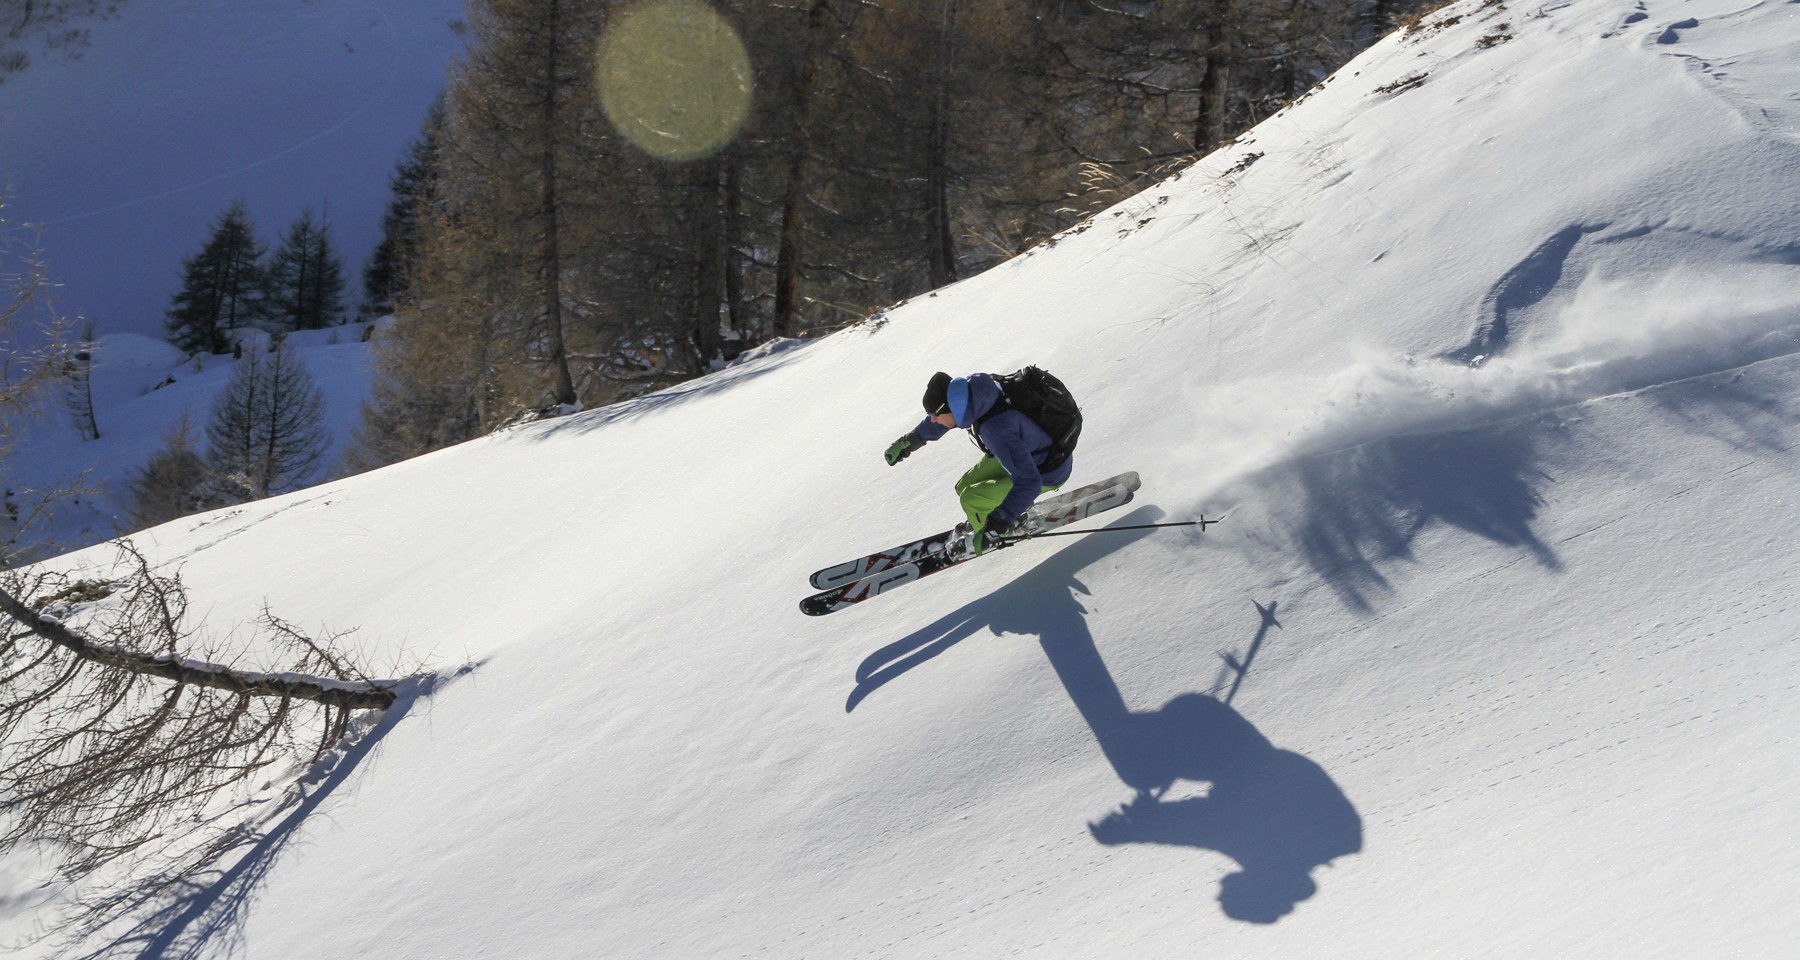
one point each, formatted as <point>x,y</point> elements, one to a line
<point>1011,438</point>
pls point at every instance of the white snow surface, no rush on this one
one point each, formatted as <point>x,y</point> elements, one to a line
<point>1489,658</point>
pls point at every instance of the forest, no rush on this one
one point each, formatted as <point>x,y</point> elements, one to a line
<point>614,197</point>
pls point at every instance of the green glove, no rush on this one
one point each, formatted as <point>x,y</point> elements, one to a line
<point>902,448</point>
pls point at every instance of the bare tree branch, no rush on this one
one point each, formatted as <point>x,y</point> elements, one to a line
<point>361,695</point>
<point>130,754</point>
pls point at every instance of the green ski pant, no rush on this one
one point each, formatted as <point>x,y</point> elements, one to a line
<point>984,488</point>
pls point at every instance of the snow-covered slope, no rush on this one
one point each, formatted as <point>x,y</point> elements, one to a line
<point>144,390</point>
<point>1495,377</point>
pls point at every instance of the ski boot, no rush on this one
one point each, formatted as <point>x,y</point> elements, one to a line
<point>1025,526</point>
<point>965,541</point>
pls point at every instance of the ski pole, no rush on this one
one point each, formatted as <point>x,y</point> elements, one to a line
<point>1202,523</point>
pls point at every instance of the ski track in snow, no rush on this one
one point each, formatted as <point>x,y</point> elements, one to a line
<point>1674,698</point>
<point>238,521</point>
<point>380,94</point>
<point>1716,54</point>
<point>1613,337</point>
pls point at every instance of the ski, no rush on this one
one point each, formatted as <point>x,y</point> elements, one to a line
<point>850,571</point>
<point>926,564</point>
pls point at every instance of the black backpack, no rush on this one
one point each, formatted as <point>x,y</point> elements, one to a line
<point>1037,394</point>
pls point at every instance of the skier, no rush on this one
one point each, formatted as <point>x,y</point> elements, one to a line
<point>1019,464</point>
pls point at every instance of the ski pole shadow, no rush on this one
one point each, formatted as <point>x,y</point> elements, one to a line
<point>1275,813</point>
<point>1238,669</point>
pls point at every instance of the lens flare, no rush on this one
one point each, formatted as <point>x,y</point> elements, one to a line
<point>674,78</point>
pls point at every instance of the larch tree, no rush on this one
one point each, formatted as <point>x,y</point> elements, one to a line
<point>818,29</point>
<point>37,356</point>
<point>78,385</point>
<point>172,484</point>
<point>520,110</point>
<point>267,433</point>
<point>891,148</point>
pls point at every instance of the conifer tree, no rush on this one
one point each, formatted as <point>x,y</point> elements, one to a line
<point>172,484</point>
<point>390,269</point>
<point>267,433</point>
<point>305,279</point>
<point>222,287</point>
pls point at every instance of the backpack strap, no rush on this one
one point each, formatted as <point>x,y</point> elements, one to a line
<point>1000,406</point>
<point>1001,403</point>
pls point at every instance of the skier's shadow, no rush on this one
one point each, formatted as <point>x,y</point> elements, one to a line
<point>993,611</point>
<point>1274,812</point>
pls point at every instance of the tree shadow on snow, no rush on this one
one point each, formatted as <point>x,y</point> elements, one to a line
<point>1273,811</point>
<point>1364,507</point>
<point>195,916</point>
